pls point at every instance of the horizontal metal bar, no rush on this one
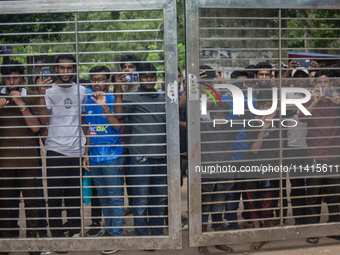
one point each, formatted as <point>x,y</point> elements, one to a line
<point>268,28</point>
<point>124,41</point>
<point>238,28</point>
<point>34,44</point>
<point>35,54</point>
<point>119,31</point>
<point>119,62</point>
<point>119,20</point>
<point>268,4</point>
<point>310,18</point>
<point>39,33</point>
<point>121,52</point>
<point>236,18</point>
<point>238,38</point>
<point>35,23</point>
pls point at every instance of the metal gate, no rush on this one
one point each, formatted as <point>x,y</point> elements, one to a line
<point>76,15</point>
<point>227,36</point>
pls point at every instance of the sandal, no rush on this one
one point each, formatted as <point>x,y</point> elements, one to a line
<point>312,240</point>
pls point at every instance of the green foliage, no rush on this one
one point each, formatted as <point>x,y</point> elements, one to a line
<point>310,32</point>
<point>116,36</point>
<point>181,55</point>
<point>26,28</point>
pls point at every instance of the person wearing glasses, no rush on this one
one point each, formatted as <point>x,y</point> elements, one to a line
<point>105,150</point>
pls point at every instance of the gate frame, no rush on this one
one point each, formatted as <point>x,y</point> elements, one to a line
<point>196,237</point>
<point>174,238</point>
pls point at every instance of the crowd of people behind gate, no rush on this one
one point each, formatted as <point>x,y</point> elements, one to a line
<point>52,112</point>
<point>308,149</point>
<point>122,133</point>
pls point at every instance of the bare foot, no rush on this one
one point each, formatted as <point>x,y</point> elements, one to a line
<point>224,248</point>
<point>257,245</point>
<point>203,250</point>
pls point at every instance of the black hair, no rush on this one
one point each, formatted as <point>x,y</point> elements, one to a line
<point>214,108</point>
<point>322,72</point>
<point>262,65</point>
<point>205,67</point>
<point>298,71</point>
<point>7,70</point>
<point>130,58</point>
<point>335,72</point>
<point>236,74</point>
<point>148,67</point>
<point>113,77</point>
<point>66,57</point>
<point>251,73</point>
<point>98,69</point>
<point>265,96</point>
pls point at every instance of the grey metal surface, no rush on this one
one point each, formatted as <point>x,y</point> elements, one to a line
<point>51,6</point>
<point>193,122</point>
<point>270,4</point>
<point>198,39</point>
<point>269,234</point>
<point>172,238</point>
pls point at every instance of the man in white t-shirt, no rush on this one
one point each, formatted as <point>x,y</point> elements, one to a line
<point>296,149</point>
<point>64,146</point>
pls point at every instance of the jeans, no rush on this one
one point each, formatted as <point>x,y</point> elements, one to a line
<point>235,196</point>
<point>96,210</point>
<point>216,217</point>
<point>144,188</point>
<point>113,195</point>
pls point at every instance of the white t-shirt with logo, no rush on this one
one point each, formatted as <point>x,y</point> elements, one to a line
<point>63,130</point>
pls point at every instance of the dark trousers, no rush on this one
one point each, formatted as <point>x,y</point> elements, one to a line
<point>276,198</point>
<point>298,184</point>
<point>42,223</point>
<point>96,210</point>
<point>298,202</point>
<point>7,186</point>
<point>68,173</point>
<point>322,180</point>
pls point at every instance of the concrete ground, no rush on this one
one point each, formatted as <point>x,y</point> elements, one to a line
<point>326,246</point>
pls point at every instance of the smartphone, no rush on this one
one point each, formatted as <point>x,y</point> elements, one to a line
<point>8,49</point>
<point>303,62</point>
<point>326,92</point>
<point>131,77</point>
<point>45,73</point>
<point>210,74</point>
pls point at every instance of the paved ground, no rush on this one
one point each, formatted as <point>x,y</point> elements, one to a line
<point>326,246</point>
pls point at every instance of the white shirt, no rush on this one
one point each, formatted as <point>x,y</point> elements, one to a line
<point>63,130</point>
<point>296,135</point>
